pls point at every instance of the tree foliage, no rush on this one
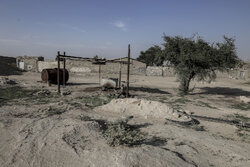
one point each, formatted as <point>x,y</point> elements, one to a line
<point>195,58</point>
<point>152,56</point>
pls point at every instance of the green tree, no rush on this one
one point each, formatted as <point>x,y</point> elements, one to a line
<point>195,58</point>
<point>151,56</point>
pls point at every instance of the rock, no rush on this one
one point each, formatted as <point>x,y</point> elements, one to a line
<point>244,99</point>
<point>176,115</point>
<point>109,83</point>
<point>189,112</point>
<point>64,93</point>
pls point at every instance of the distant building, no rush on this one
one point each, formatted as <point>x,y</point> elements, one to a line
<point>28,63</point>
<point>112,66</point>
<point>136,67</point>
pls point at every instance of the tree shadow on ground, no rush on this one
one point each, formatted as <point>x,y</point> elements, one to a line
<point>155,141</point>
<point>152,141</point>
<point>141,125</point>
<point>148,90</point>
<point>226,91</point>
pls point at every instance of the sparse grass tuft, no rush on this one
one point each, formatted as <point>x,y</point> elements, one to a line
<point>176,103</point>
<point>75,104</point>
<point>199,128</point>
<point>12,95</point>
<point>163,99</point>
<point>181,100</point>
<point>244,133</point>
<point>203,104</point>
<point>55,111</point>
<point>85,118</point>
<point>121,133</point>
<point>239,117</point>
<point>95,101</point>
<point>15,92</point>
<point>241,106</point>
<point>247,83</point>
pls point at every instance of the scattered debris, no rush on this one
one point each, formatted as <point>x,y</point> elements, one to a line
<point>43,93</point>
<point>7,81</point>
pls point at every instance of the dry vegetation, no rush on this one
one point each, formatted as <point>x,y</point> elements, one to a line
<point>42,128</point>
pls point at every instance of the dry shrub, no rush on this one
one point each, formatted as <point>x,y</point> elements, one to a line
<point>121,133</point>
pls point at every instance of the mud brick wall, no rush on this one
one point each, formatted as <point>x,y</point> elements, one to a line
<point>239,73</point>
<point>136,68</point>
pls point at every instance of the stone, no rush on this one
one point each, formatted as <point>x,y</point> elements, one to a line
<point>109,83</point>
<point>244,99</point>
<point>64,93</point>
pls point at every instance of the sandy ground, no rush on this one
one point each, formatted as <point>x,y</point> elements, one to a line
<point>29,136</point>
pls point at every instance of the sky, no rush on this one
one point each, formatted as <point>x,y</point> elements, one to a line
<point>87,28</point>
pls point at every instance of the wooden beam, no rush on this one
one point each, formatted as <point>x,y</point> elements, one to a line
<point>94,61</point>
<point>58,72</point>
<point>64,67</point>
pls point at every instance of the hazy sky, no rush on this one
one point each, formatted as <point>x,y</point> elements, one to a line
<point>105,27</point>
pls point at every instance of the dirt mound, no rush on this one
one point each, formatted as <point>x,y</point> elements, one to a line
<point>145,108</point>
<point>70,142</point>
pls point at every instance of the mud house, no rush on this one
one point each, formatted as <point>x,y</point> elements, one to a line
<point>112,66</point>
<point>28,63</point>
<point>136,67</point>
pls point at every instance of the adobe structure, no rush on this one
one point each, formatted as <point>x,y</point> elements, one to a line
<point>28,63</point>
<point>37,64</point>
<point>111,67</point>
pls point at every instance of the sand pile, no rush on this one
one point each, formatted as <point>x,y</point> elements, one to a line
<point>145,108</point>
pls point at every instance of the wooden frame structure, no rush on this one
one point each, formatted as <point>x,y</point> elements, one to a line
<point>94,61</point>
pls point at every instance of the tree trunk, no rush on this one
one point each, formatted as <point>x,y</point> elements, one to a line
<point>185,81</point>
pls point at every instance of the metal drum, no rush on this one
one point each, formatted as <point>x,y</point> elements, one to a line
<point>50,75</point>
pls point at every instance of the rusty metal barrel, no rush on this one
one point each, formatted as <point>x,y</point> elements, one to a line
<point>50,75</point>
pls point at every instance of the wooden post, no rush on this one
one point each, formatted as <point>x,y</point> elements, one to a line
<point>162,71</point>
<point>127,92</point>
<point>120,74</point>
<point>64,66</point>
<point>58,71</point>
<point>100,74</point>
